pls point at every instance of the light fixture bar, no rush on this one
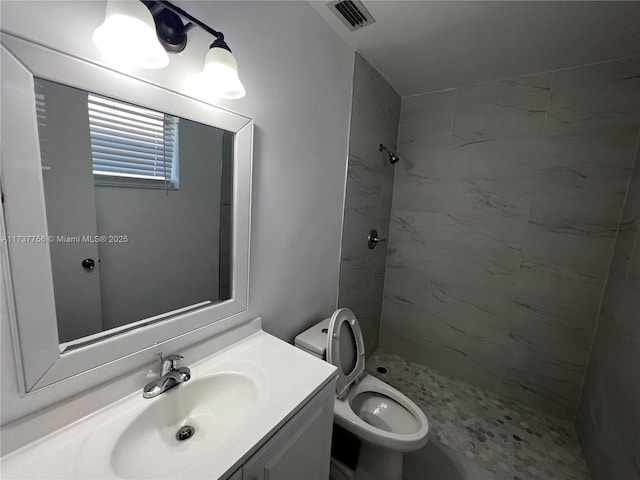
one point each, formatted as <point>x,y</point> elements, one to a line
<point>178,11</point>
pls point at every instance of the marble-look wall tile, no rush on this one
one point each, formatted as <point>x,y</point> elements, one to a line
<point>508,109</point>
<point>484,232</point>
<point>426,122</point>
<point>569,196</point>
<point>415,236</point>
<point>505,213</point>
<point>557,284</point>
<point>595,98</point>
<point>411,259</point>
<point>631,221</point>
<point>363,185</point>
<point>458,362</point>
<point>415,193</point>
<point>423,160</point>
<point>634,267</point>
<point>601,154</point>
<point>485,297</point>
<point>608,419</point>
<point>582,247</point>
<point>504,197</point>
<point>546,364</point>
<point>478,263</point>
<point>552,327</point>
<point>496,159</point>
<point>427,119</point>
<point>374,120</point>
<point>539,391</point>
<point>549,346</point>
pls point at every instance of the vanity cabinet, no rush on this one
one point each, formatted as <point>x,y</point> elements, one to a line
<point>277,403</point>
<point>301,449</point>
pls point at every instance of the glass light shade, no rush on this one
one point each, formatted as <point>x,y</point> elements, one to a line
<point>221,74</point>
<point>128,36</point>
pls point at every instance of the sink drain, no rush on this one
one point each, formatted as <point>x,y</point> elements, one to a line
<point>185,433</point>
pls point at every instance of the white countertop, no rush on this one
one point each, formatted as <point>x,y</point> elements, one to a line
<point>287,379</point>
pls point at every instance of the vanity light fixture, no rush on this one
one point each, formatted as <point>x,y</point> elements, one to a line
<point>125,38</point>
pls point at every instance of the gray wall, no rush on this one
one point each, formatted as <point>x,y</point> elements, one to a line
<point>608,419</point>
<point>171,258</point>
<point>505,209</point>
<point>298,75</point>
<point>374,120</point>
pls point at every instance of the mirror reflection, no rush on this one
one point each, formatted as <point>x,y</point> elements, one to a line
<point>138,211</point>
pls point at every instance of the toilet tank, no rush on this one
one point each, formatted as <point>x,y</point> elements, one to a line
<point>314,339</point>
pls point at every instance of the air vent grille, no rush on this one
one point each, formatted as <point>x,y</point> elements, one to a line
<point>352,13</point>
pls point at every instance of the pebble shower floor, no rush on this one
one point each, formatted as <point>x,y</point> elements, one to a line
<point>511,440</point>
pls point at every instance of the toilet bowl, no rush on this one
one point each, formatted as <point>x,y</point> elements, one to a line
<point>387,422</point>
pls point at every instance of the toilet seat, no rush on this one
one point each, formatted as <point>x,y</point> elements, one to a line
<point>345,346</point>
<point>402,442</point>
<point>345,350</point>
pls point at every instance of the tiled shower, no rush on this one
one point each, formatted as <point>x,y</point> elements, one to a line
<point>513,212</point>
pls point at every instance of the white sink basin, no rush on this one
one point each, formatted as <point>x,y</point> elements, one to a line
<point>216,407</point>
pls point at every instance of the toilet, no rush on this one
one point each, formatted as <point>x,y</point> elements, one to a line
<point>386,421</point>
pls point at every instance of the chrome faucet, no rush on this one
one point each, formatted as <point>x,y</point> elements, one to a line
<point>170,376</point>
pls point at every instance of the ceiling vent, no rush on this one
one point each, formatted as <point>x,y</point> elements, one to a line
<point>352,13</point>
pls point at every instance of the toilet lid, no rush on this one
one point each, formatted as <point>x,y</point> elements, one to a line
<point>345,349</point>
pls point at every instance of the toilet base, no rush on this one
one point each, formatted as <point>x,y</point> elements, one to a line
<point>376,463</point>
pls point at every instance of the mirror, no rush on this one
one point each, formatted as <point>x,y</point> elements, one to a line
<point>103,270</point>
<point>138,206</point>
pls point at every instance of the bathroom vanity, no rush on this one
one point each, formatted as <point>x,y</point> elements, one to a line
<point>258,408</point>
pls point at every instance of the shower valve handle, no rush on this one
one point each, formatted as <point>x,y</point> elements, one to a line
<point>373,239</point>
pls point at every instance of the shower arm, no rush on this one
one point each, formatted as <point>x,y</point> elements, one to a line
<point>393,158</point>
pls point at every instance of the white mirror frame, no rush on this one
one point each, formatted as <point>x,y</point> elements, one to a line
<point>26,270</point>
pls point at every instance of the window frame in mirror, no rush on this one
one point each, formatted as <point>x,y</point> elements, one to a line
<point>26,271</point>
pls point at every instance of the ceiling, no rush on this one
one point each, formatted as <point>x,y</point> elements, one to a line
<point>422,46</point>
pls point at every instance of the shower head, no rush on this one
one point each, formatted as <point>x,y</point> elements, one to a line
<point>393,158</point>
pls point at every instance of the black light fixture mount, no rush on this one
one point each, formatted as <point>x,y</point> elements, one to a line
<point>172,32</point>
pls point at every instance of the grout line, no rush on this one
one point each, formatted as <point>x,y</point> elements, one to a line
<point>606,281</point>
